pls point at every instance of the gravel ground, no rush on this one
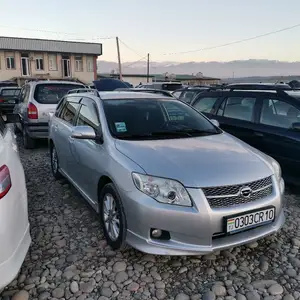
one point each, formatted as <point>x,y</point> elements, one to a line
<point>69,258</point>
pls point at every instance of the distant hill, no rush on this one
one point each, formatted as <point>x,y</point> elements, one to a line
<point>238,68</point>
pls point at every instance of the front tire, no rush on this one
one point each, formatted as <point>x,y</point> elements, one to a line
<point>55,164</point>
<point>112,217</point>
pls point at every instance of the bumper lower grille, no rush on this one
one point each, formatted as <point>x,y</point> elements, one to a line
<point>226,196</point>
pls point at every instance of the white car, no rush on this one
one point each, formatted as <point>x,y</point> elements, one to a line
<point>14,225</point>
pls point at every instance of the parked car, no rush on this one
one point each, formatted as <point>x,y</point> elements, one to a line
<point>9,97</point>
<point>8,83</point>
<point>189,93</point>
<point>166,86</point>
<point>14,234</point>
<point>37,100</point>
<point>163,177</point>
<point>144,90</point>
<point>259,86</point>
<point>266,120</point>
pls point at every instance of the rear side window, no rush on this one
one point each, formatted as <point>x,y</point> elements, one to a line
<point>205,104</point>
<point>240,108</point>
<point>51,93</point>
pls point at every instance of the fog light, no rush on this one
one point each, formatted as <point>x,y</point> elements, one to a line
<point>156,233</point>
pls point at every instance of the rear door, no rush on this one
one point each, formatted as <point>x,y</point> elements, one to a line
<point>62,125</point>
<point>237,115</point>
<point>277,139</point>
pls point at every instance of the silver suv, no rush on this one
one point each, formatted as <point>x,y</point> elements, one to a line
<point>163,177</point>
<point>37,100</point>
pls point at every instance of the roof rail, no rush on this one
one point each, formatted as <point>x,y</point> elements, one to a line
<point>84,90</point>
<point>248,89</point>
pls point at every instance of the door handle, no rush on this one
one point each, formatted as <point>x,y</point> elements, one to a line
<point>259,134</point>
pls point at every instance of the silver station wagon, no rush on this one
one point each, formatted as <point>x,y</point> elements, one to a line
<point>164,178</point>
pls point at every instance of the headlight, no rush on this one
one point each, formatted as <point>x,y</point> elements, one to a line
<point>162,190</point>
<point>277,169</point>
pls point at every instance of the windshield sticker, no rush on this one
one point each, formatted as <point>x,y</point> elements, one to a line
<point>120,126</point>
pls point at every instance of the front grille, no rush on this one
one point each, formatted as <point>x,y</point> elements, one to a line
<point>226,196</point>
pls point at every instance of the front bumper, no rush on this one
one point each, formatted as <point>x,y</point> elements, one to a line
<point>193,230</point>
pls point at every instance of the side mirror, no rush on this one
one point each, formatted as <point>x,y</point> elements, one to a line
<point>215,122</point>
<point>296,126</point>
<point>11,118</point>
<point>84,133</point>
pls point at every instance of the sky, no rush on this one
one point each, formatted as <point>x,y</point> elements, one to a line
<point>162,28</point>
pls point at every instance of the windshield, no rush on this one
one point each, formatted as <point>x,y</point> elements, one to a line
<point>142,119</point>
<point>51,93</point>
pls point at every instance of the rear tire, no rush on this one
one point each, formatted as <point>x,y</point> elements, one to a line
<point>55,164</point>
<point>112,217</point>
<point>28,142</point>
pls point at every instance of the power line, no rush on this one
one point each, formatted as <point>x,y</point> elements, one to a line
<point>138,54</point>
<point>235,42</point>
<point>56,32</point>
<point>133,63</point>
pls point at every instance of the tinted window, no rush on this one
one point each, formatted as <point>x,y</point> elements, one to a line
<point>88,115</point>
<point>279,113</point>
<point>205,104</point>
<point>154,119</point>
<point>53,92</point>
<point>171,86</point>
<point>10,92</point>
<point>68,112</point>
<point>240,108</point>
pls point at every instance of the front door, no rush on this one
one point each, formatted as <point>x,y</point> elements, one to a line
<point>277,138</point>
<point>66,67</point>
<point>25,66</point>
<point>88,156</point>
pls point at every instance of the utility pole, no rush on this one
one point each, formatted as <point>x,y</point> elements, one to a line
<point>148,66</point>
<point>119,59</point>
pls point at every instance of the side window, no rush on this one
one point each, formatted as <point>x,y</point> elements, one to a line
<point>177,94</point>
<point>205,104</point>
<point>279,113</point>
<point>22,94</point>
<point>59,107</point>
<point>88,115</point>
<point>187,96</point>
<point>68,112</point>
<point>26,94</point>
<point>240,108</point>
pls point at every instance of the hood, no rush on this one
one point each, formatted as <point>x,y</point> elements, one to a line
<point>214,160</point>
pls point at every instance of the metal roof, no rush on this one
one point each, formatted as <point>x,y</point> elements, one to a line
<point>39,45</point>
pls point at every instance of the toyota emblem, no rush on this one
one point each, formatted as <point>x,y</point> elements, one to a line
<point>246,191</point>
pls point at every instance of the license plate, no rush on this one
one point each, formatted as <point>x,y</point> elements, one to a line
<point>11,101</point>
<point>249,220</point>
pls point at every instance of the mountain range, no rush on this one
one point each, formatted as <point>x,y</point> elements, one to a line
<point>230,69</point>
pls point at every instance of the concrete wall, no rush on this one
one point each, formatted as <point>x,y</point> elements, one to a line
<point>85,75</point>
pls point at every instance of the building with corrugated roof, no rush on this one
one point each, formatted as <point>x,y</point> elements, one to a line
<point>25,58</point>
